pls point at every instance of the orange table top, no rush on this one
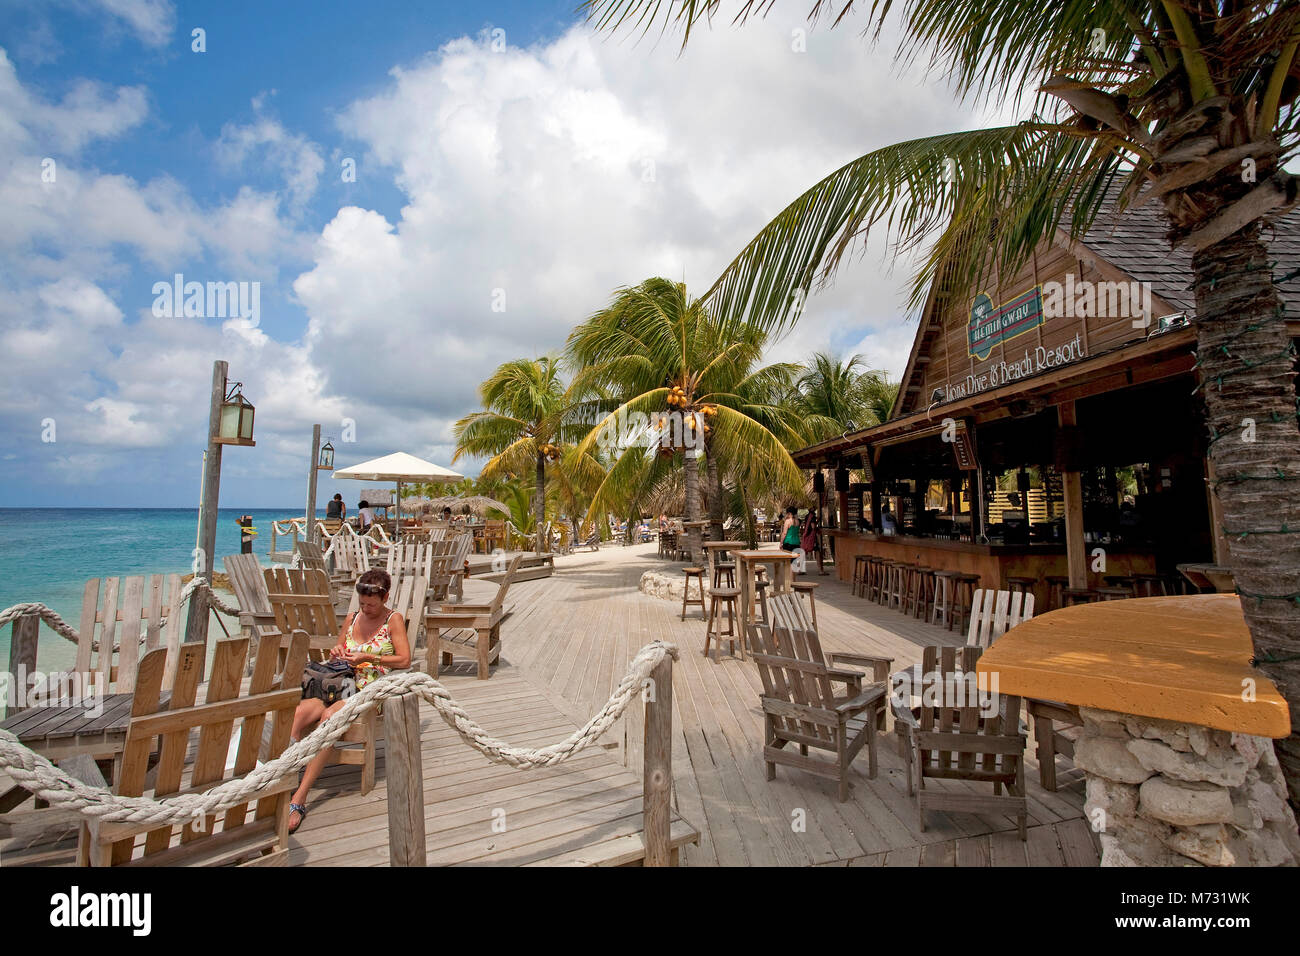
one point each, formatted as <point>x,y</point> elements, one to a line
<point>1183,658</point>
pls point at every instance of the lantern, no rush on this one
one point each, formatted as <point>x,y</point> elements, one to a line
<point>236,422</point>
<point>326,462</point>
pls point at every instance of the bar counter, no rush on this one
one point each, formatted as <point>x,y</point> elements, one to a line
<point>994,563</point>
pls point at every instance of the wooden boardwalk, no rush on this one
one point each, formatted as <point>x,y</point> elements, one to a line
<point>573,636</point>
<point>566,642</point>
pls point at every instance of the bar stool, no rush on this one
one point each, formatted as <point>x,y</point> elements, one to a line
<point>875,578</point>
<point>898,577</point>
<point>727,597</point>
<point>1121,581</point>
<point>1056,585</point>
<point>945,589</point>
<point>1073,596</point>
<point>1150,585</point>
<point>807,588</point>
<point>1114,594</point>
<point>964,603</point>
<point>698,575</point>
<point>760,592</point>
<point>1019,585</point>
<point>724,567</point>
<point>922,592</point>
<point>861,570</point>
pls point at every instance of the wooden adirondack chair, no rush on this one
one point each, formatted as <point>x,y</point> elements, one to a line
<point>112,636</point>
<point>310,556</point>
<point>410,557</point>
<point>447,570</point>
<point>256,615</point>
<point>494,535</point>
<point>993,613</point>
<point>961,734</point>
<point>799,703</point>
<point>468,630</point>
<point>351,557</point>
<point>253,833</point>
<point>301,601</point>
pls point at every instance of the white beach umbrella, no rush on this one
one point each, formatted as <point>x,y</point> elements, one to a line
<point>401,468</point>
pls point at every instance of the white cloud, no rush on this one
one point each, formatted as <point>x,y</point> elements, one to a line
<point>87,112</point>
<point>562,171</point>
<point>556,173</point>
<point>297,159</point>
<point>152,20</point>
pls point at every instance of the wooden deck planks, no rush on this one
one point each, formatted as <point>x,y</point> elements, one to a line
<point>566,643</point>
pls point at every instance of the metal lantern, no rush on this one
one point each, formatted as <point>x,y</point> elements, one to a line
<point>326,462</point>
<point>236,426</point>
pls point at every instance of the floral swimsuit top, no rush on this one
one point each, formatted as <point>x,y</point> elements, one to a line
<point>381,644</point>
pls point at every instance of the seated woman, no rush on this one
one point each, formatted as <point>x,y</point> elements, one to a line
<point>373,640</point>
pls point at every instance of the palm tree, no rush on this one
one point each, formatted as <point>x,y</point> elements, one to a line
<point>660,355</point>
<point>1192,105</point>
<point>835,395</point>
<point>521,427</point>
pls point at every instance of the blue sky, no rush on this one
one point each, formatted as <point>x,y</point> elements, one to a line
<point>543,162</point>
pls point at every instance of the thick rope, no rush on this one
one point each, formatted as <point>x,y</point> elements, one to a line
<point>45,781</point>
<point>55,622</point>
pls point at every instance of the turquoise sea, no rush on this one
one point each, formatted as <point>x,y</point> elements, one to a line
<point>48,554</point>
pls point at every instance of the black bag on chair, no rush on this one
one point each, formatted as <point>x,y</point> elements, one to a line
<point>330,681</point>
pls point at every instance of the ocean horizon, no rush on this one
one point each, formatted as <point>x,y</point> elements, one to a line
<point>49,553</point>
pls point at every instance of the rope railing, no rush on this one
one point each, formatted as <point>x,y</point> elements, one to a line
<point>44,780</point>
<point>55,622</point>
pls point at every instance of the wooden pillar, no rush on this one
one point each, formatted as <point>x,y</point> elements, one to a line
<point>311,483</point>
<point>23,636</point>
<point>657,779</point>
<point>1072,488</point>
<point>1218,540</point>
<point>196,624</point>
<point>405,779</point>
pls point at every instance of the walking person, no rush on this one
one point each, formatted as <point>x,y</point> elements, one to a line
<point>810,539</point>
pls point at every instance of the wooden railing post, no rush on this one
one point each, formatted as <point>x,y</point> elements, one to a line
<point>23,637</point>
<point>657,780</point>
<point>405,781</point>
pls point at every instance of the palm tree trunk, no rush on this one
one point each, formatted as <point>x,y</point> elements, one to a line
<point>692,467</point>
<point>1246,373</point>
<point>539,502</point>
<point>715,498</point>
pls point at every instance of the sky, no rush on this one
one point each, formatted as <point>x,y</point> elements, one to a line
<point>398,197</point>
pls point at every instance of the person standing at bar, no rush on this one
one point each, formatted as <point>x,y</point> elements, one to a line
<point>888,523</point>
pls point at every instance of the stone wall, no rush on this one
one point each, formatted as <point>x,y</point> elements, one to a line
<point>666,584</point>
<point>1170,794</point>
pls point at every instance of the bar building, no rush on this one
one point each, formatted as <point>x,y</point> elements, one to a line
<point>1047,426</point>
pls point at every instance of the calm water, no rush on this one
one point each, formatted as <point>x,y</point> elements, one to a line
<point>48,554</point>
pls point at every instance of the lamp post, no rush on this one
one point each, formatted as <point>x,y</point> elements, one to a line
<point>315,465</point>
<point>230,422</point>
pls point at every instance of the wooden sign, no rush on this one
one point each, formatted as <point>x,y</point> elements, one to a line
<point>963,448</point>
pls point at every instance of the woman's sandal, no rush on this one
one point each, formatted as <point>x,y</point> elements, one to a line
<point>299,809</point>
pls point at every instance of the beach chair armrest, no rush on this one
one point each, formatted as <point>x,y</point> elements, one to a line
<point>879,665</point>
<point>868,698</point>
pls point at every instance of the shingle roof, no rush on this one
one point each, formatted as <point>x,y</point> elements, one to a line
<point>1137,242</point>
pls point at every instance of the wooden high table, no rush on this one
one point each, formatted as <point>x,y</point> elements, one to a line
<point>1180,658</point>
<point>711,550</point>
<point>686,530</point>
<point>747,564</point>
<point>1172,725</point>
